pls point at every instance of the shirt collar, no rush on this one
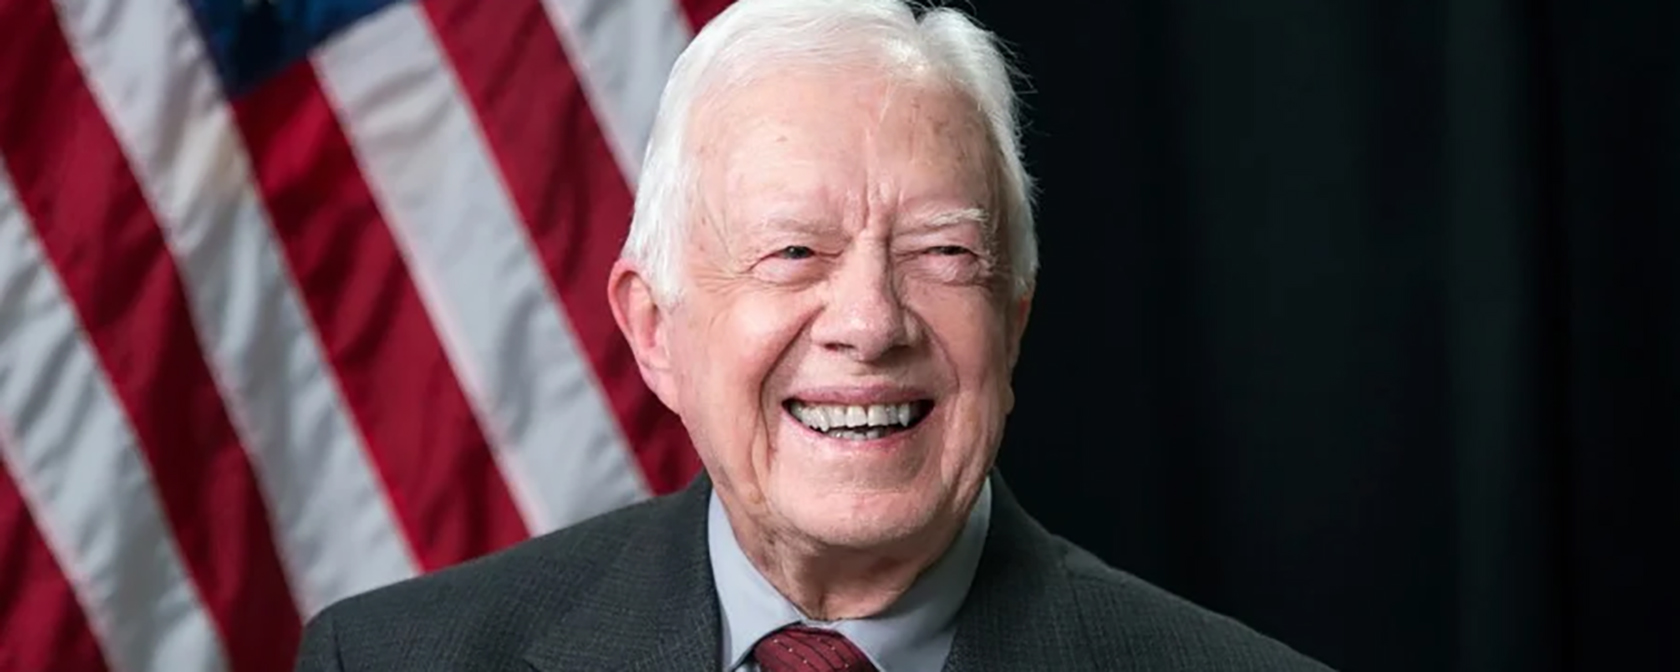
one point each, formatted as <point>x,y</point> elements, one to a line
<point>913,634</point>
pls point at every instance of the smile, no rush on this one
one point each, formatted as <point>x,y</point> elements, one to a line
<point>859,423</point>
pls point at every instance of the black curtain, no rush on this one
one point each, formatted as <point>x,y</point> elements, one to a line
<point>1360,321</point>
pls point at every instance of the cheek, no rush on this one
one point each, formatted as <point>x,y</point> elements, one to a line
<point>735,349</point>
<point>754,337</point>
<point>968,330</point>
<point>971,338</point>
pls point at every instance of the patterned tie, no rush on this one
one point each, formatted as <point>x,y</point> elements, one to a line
<point>798,648</point>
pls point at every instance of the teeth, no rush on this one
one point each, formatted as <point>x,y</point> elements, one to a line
<point>862,419</point>
<point>859,434</point>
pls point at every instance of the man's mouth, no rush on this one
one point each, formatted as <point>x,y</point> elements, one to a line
<point>859,422</point>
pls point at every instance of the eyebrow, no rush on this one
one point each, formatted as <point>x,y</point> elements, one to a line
<point>780,225</point>
<point>938,220</point>
<point>947,218</point>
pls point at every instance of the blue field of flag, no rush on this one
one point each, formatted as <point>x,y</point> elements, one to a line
<point>251,40</point>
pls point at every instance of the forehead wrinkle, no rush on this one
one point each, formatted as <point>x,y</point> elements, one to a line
<point>942,125</point>
<point>944,122</point>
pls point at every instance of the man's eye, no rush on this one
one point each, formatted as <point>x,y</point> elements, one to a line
<point>948,250</point>
<point>795,252</point>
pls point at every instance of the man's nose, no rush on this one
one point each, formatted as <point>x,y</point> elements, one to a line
<point>865,317</point>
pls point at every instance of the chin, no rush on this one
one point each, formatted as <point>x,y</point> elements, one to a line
<point>861,519</point>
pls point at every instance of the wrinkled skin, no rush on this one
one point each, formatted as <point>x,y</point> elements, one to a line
<point>843,249</point>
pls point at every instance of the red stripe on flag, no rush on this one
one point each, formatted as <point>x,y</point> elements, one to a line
<point>421,432</point>
<point>98,230</point>
<point>701,12</point>
<point>42,626</point>
<point>570,193</point>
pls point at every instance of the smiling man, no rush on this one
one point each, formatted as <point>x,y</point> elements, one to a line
<point>827,278</point>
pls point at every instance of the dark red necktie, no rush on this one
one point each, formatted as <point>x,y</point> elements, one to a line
<point>798,648</point>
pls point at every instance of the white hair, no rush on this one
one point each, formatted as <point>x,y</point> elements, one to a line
<point>751,35</point>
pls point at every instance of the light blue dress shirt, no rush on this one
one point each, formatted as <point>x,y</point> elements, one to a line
<point>913,635</point>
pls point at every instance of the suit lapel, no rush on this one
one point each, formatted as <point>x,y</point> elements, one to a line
<point>652,608</point>
<point>1019,614</point>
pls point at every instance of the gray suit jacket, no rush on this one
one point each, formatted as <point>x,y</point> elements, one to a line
<point>632,590</point>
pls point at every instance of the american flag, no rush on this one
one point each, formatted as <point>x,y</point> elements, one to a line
<point>303,297</point>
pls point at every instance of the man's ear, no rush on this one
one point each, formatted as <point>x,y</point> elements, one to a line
<point>1019,309</point>
<point>643,322</point>
<point>1015,321</point>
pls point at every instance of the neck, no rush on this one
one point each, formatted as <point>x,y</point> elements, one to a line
<point>830,583</point>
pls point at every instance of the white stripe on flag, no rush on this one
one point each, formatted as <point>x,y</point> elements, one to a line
<point>554,435</point>
<point>78,465</point>
<point>622,51</point>
<point>147,67</point>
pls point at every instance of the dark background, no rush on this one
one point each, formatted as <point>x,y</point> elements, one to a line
<point>1360,321</point>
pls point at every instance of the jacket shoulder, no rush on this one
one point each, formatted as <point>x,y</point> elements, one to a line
<point>491,605</point>
<point>1128,618</point>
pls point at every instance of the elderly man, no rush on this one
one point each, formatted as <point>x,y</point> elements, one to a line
<point>827,278</point>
